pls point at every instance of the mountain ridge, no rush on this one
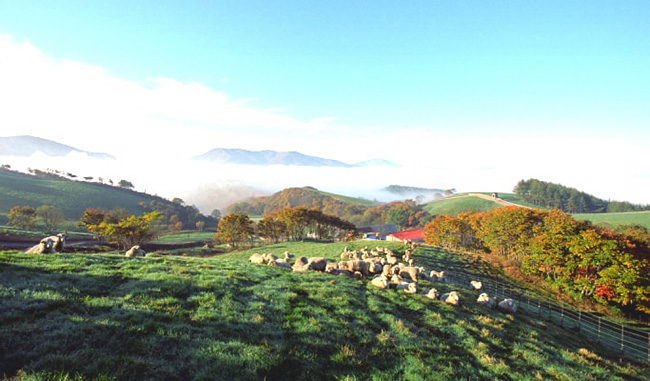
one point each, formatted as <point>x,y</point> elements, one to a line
<point>271,157</point>
<point>27,145</point>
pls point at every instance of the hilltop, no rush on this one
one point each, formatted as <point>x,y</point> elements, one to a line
<point>306,196</point>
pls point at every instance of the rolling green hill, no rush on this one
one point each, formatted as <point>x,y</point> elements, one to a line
<point>471,202</point>
<point>72,197</point>
<point>624,218</point>
<point>162,317</point>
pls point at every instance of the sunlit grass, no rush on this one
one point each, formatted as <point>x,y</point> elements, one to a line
<point>80,316</point>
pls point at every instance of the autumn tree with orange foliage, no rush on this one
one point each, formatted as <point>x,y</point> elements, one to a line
<point>586,261</point>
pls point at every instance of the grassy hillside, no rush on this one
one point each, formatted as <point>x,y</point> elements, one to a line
<point>351,200</point>
<point>458,204</point>
<point>626,218</point>
<point>468,202</point>
<point>163,317</point>
<point>73,197</point>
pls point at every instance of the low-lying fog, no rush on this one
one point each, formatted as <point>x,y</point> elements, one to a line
<point>209,186</point>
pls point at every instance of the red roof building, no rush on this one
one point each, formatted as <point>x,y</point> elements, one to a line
<point>415,235</point>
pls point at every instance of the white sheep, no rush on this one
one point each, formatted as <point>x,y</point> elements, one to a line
<point>508,306</point>
<point>257,259</point>
<point>485,300</point>
<point>432,294</point>
<point>451,298</point>
<point>437,275</point>
<point>58,240</point>
<point>134,251</point>
<point>476,285</point>
<point>46,246</point>
<point>380,282</point>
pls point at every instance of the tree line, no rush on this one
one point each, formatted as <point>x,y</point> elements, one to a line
<point>288,224</point>
<point>586,261</point>
<point>569,200</point>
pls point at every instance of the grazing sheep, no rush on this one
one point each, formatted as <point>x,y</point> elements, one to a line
<point>43,247</point>
<point>317,264</point>
<point>408,287</point>
<point>58,240</point>
<point>380,282</point>
<point>396,279</point>
<point>410,272</point>
<point>257,259</point>
<point>508,306</point>
<point>437,275</point>
<point>375,268</point>
<point>331,266</point>
<point>135,251</point>
<point>392,260</point>
<point>476,285</point>
<point>432,294</point>
<point>451,298</point>
<point>288,256</point>
<point>269,257</point>
<point>357,275</point>
<point>279,263</point>
<point>387,271</point>
<point>355,265</point>
<point>485,300</point>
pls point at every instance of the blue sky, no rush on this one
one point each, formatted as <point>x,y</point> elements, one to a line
<point>560,88</point>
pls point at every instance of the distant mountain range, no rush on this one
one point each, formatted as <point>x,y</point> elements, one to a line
<point>25,145</point>
<point>268,157</point>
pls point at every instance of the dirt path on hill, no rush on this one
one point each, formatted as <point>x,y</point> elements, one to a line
<point>499,201</point>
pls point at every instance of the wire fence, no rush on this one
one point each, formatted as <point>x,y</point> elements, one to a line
<point>625,340</point>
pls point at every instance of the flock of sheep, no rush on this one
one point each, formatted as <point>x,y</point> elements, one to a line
<point>386,270</point>
<point>382,264</point>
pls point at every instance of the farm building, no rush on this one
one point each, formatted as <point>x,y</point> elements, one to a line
<point>377,231</point>
<point>415,235</point>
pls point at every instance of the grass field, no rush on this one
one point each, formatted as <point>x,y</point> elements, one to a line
<point>72,197</point>
<point>628,218</point>
<point>104,316</point>
<point>457,204</point>
<point>186,237</point>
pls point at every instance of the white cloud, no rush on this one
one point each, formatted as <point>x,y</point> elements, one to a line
<point>153,126</point>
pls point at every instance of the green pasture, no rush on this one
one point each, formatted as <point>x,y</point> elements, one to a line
<point>458,204</point>
<point>185,237</point>
<point>72,197</point>
<point>625,218</point>
<point>104,316</point>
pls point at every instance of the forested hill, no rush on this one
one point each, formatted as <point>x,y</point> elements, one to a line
<point>308,197</point>
<point>569,200</point>
<point>73,197</point>
<point>405,214</point>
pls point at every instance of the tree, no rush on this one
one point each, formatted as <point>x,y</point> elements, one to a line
<point>200,225</point>
<point>23,217</point>
<point>125,184</point>
<point>132,230</point>
<point>235,228</point>
<point>216,214</point>
<point>52,216</point>
<point>271,228</point>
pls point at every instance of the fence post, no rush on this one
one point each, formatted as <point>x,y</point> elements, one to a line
<point>579,320</point>
<point>622,338</point>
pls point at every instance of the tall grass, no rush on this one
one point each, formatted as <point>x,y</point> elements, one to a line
<point>103,316</point>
